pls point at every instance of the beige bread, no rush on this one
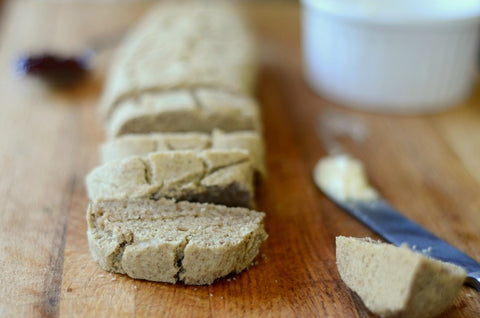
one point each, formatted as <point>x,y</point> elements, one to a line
<point>216,176</point>
<point>183,45</point>
<point>185,67</point>
<point>143,144</point>
<point>395,281</point>
<point>180,111</point>
<point>173,242</point>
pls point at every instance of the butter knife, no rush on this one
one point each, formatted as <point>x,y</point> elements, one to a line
<point>394,227</point>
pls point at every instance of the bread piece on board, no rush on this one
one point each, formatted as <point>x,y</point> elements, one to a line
<point>395,281</point>
<point>173,242</point>
<point>199,110</point>
<point>216,176</point>
<point>185,67</point>
<point>143,144</point>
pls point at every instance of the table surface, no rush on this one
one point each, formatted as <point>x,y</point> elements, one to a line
<point>427,166</point>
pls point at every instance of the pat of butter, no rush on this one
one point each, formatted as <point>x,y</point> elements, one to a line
<point>344,179</point>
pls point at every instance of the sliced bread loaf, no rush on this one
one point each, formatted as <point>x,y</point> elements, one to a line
<point>143,144</point>
<point>173,242</point>
<point>216,176</point>
<point>395,281</point>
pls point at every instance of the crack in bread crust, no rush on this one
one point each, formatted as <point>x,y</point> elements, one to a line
<point>118,256</point>
<point>179,260</point>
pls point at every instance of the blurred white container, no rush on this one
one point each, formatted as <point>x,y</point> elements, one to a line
<point>403,56</point>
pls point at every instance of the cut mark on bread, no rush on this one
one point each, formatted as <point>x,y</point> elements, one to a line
<point>213,169</point>
<point>147,171</point>
<point>118,254</point>
<point>180,256</point>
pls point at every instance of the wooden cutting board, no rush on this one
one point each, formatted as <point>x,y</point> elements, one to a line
<point>429,167</point>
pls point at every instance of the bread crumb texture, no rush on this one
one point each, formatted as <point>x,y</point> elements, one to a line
<point>168,241</point>
<point>395,281</point>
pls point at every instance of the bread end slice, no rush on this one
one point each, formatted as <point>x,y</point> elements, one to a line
<point>395,281</point>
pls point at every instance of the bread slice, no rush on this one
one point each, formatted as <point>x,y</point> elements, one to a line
<point>173,242</point>
<point>395,281</point>
<point>143,144</point>
<point>200,110</point>
<point>185,67</point>
<point>216,176</point>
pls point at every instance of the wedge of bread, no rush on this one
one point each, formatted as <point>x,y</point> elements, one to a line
<point>216,176</point>
<point>395,281</point>
<point>185,67</point>
<point>143,144</point>
<point>172,242</point>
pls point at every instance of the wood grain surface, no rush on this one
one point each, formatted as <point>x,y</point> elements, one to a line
<point>427,166</point>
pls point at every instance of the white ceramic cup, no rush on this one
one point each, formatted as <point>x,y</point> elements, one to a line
<point>402,56</point>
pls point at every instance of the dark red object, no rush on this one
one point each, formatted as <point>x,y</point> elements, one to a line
<point>55,69</point>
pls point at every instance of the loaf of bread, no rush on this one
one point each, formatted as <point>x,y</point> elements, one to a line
<point>143,144</point>
<point>395,281</point>
<point>173,242</point>
<point>185,67</point>
<point>216,176</point>
<point>179,97</point>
